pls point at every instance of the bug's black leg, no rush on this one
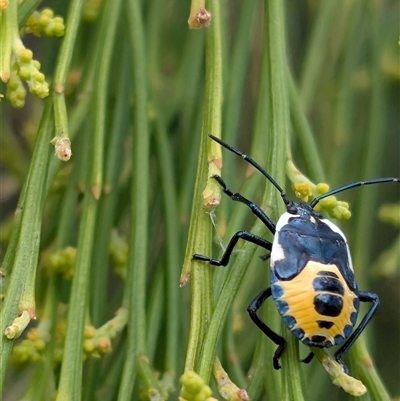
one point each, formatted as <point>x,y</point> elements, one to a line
<point>240,198</point>
<point>245,235</point>
<point>364,296</point>
<point>308,358</point>
<point>277,339</point>
<point>254,164</point>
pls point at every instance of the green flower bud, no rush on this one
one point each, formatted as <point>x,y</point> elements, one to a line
<point>25,55</point>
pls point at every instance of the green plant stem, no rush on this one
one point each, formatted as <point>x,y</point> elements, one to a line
<point>77,118</point>
<point>237,69</point>
<point>155,313</point>
<point>107,210</point>
<point>66,222</point>
<point>70,385</point>
<point>44,379</point>
<point>191,66</point>
<point>66,50</point>
<point>137,264</point>
<point>363,230</point>
<point>198,239</point>
<point>199,232</point>
<point>117,134</point>
<point>279,141</point>
<point>62,67</point>
<point>8,261</point>
<point>20,295</point>
<point>168,185</point>
<point>106,37</point>
<point>8,19</point>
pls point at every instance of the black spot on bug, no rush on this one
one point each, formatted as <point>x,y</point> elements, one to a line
<point>324,324</point>
<point>328,304</point>
<point>318,339</point>
<point>326,273</point>
<point>329,284</point>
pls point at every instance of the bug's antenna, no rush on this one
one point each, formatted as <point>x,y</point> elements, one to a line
<point>254,164</point>
<point>353,185</point>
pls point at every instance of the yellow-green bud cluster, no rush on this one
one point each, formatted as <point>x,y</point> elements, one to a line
<point>61,261</point>
<point>194,388</point>
<point>118,251</point>
<point>45,23</point>
<point>30,349</point>
<point>335,208</point>
<point>26,69</point>
<point>307,190</point>
<point>16,92</point>
<point>95,345</point>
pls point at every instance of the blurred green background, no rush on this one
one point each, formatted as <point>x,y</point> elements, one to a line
<point>135,101</point>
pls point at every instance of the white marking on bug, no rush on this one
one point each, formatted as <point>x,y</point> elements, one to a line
<point>283,220</point>
<point>277,252</point>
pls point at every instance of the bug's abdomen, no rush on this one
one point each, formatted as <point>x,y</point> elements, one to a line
<point>317,305</point>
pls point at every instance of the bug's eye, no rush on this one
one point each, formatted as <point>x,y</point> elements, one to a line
<point>292,209</point>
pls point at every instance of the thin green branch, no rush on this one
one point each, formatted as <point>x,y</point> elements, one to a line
<point>279,129</point>
<point>199,238</point>
<point>70,386</point>
<point>20,294</point>
<point>136,278</point>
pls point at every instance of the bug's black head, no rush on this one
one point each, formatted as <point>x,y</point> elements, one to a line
<point>302,209</point>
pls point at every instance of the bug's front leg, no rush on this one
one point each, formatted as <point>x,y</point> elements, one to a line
<point>237,197</point>
<point>246,236</point>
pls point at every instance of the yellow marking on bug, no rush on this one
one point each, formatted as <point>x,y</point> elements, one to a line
<point>299,295</point>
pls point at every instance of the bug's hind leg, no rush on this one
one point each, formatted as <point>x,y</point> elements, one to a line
<point>246,236</point>
<point>308,358</point>
<point>254,306</point>
<point>364,296</point>
<point>237,197</point>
